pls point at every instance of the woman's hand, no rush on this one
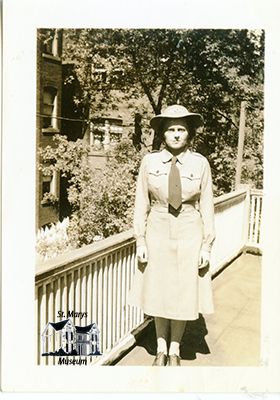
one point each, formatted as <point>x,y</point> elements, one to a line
<point>204,263</point>
<point>204,259</point>
<point>142,254</point>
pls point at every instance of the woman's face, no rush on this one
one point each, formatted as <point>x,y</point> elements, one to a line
<point>175,135</point>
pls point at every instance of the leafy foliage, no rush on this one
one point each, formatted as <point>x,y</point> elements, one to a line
<point>208,71</point>
<point>52,241</point>
<point>50,199</point>
<point>102,202</point>
<point>116,190</point>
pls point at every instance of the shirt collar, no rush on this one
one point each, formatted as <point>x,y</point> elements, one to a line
<point>167,156</point>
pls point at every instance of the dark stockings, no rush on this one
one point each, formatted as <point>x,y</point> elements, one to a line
<point>166,327</point>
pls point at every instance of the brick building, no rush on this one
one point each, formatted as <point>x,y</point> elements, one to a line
<point>57,113</point>
<point>49,92</point>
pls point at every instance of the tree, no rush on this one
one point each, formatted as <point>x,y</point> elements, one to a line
<point>229,69</point>
<point>135,61</point>
<point>209,71</point>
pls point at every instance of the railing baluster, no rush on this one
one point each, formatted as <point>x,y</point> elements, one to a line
<point>114,292</point>
<point>142,316</point>
<point>99,302</point>
<point>123,294</point>
<point>130,283</point>
<point>77,278</point>
<point>71,294</point>
<point>83,294</point>
<point>64,304</point>
<point>51,318</point>
<point>260,230</point>
<point>105,301</point>
<point>127,268</point>
<point>38,336</point>
<point>89,295</point>
<point>252,212</point>
<point>110,302</point>
<point>57,299</point>
<point>134,308</point>
<point>94,294</point>
<point>56,294</point>
<point>138,315</point>
<point>43,319</point>
<point>257,216</point>
<point>119,289</point>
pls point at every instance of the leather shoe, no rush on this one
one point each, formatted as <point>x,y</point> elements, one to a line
<point>160,360</point>
<point>174,360</point>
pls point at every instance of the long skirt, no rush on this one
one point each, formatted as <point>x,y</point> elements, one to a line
<point>169,285</point>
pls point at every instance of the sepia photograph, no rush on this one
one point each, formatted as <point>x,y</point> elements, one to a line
<point>149,190</point>
<point>140,207</point>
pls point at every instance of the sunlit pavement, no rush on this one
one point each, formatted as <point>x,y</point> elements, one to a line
<point>233,337</point>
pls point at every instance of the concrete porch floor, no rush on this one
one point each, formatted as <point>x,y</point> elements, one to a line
<point>230,336</point>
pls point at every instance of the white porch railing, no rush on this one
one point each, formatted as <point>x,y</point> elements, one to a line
<point>96,278</point>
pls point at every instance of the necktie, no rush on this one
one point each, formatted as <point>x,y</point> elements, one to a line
<point>174,185</point>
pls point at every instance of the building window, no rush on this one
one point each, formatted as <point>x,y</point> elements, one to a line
<point>98,74</point>
<point>50,41</point>
<point>50,190</point>
<point>117,78</point>
<point>50,108</point>
<point>50,183</point>
<point>46,185</point>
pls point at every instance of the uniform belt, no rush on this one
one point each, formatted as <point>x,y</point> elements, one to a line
<point>164,208</point>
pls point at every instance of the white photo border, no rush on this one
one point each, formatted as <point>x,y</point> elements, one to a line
<point>21,19</point>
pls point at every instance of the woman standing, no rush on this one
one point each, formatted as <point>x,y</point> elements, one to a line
<point>174,231</point>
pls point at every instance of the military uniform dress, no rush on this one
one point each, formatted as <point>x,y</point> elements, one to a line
<point>169,286</point>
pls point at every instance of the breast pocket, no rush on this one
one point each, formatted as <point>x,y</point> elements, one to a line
<point>156,178</point>
<point>190,182</point>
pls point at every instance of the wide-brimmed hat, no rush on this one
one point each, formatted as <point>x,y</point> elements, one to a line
<point>176,111</point>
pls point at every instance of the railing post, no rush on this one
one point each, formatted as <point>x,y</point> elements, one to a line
<point>241,136</point>
<point>246,218</point>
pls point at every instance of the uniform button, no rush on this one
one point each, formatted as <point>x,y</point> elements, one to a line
<point>191,175</point>
<point>157,171</point>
